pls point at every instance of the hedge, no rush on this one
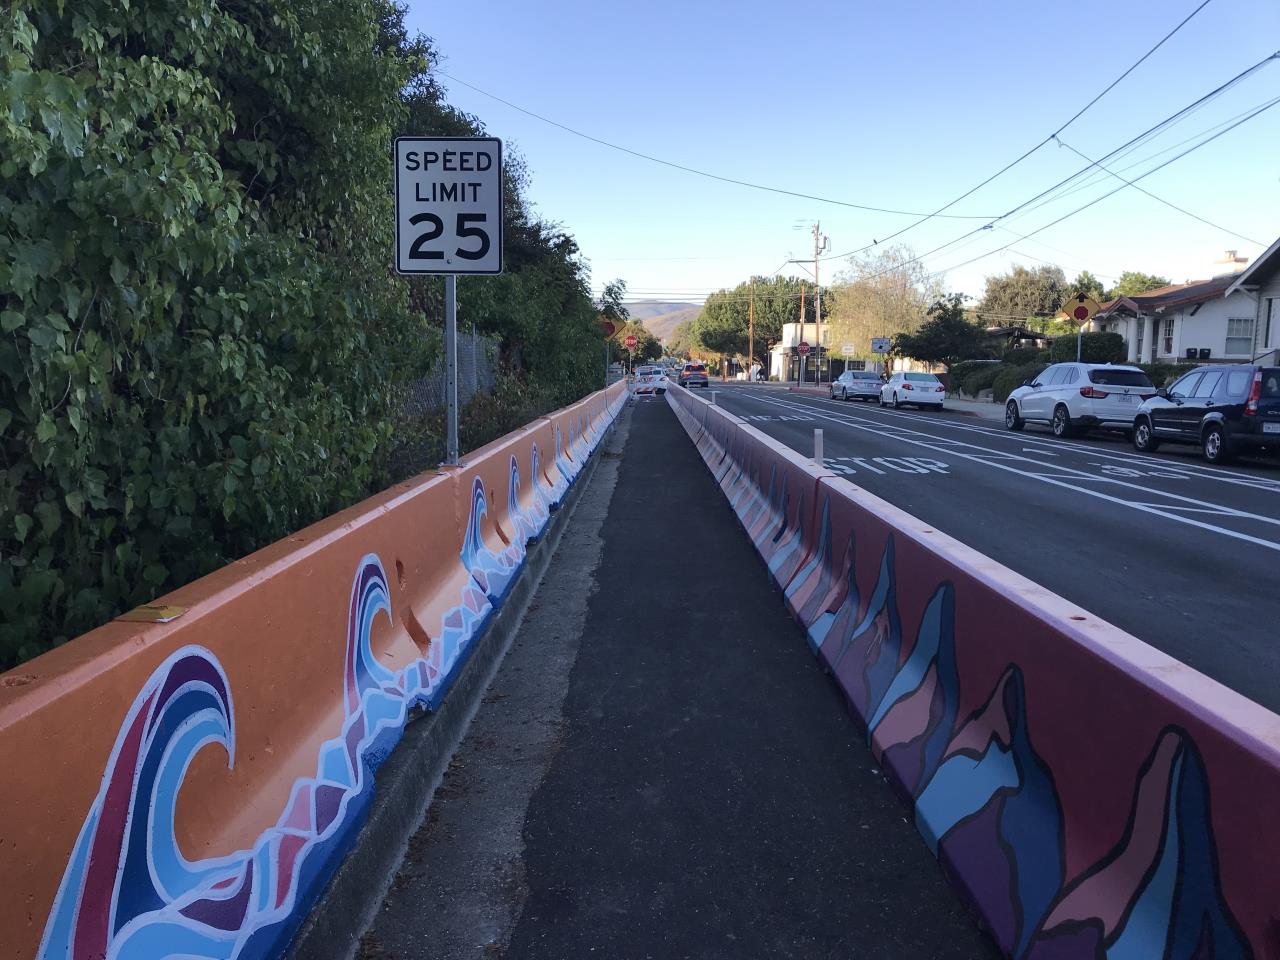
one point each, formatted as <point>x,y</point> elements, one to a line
<point>1094,347</point>
<point>1010,378</point>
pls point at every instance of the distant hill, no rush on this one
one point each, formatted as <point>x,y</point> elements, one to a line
<point>642,310</point>
<point>661,318</point>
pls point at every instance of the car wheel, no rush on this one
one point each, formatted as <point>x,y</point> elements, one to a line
<point>1012,419</point>
<point>896,404</point>
<point>844,395</point>
<point>1214,445</point>
<point>1061,423</point>
<point>1144,441</point>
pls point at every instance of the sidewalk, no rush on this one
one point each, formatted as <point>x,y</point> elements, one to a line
<point>978,408</point>
<point>661,769</point>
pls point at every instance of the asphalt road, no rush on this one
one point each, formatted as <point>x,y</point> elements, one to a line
<point>661,769</point>
<point>1184,555</point>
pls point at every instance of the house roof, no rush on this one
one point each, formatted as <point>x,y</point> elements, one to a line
<point>1259,271</point>
<point>1174,295</point>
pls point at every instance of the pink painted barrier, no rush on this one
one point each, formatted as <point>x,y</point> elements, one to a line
<point>1089,796</point>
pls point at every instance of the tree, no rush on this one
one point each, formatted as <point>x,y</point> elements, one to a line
<point>1086,283</point>
<point>1132,283</point>
<point>1023,294</point>
<point>879,296</point>
<point>683,342</point>
<point>722,326</point>
<point>647,345</point>
<point>948,337</point>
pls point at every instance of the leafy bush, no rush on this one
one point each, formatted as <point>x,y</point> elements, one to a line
<point>1010,378</point>
<point>1094,348</point>
<point>1163,374</point>
<point>204,348</point>
<point>981,379</point>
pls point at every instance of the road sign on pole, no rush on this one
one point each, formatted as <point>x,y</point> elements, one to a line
<point>631,341</point>
<point>879,344</point>
<point>449,221</point>
<point>448,205</point>
<point>803,349</point>
<point>848,350</point>
<point>1081,308</point>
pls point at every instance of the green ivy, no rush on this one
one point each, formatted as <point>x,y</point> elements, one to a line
<point>201,347</point>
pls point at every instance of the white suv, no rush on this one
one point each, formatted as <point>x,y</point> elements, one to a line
<point>1075,397</point>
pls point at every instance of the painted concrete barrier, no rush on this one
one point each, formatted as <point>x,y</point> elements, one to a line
<point>187,788</point>
<point>1089,796</point>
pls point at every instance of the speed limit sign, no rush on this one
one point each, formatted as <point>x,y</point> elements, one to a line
<point>448,205</point>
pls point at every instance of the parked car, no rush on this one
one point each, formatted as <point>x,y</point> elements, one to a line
<point>1075,397</point>
<point>694,375</point>
<point>651,380</point>
<point>1224,408</point>
<point>921,389</point>
<point>856,384</point>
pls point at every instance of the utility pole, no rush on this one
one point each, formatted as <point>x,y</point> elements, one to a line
<point>819,247</point>
<point>803,358</point>
<point>751,332</point>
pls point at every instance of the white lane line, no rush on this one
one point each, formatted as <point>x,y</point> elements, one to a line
<point>1098,494</point>
<point>1217,474</point>
<point>1043,453</point>
<point>987,453</point>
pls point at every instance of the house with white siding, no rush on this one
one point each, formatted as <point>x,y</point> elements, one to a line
<point>1261,281</point>
<point>1220,320</point>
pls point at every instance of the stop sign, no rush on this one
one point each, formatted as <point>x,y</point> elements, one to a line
<point>803,349</point>
<point>631,342</point>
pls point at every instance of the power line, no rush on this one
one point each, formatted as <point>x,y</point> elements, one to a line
<point>1216,92</point>
<point>1123,185</point>
<point>704,173</point>
<point>1174,206</point>
<point>1009,166</point>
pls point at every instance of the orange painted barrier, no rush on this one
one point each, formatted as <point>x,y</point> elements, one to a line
<point>188,787</point>
<point>1088,795</point>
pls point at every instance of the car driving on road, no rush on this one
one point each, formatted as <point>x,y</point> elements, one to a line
<point>1075,397</point>
<point>651,380</point>
<point>919,389</point>
<point>1223,408</point>
<point>856,385</point>
<point>693,375</point>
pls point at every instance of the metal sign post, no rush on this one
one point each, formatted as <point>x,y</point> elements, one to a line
<point>449,221</point>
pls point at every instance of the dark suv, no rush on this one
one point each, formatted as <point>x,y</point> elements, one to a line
<point>1223,408</point>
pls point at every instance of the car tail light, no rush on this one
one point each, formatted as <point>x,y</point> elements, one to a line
<point>1092,393</point>
<point>938,389</point>
<point>1255,394</point>
<point>907,386</point>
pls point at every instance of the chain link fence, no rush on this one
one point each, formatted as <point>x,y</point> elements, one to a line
<point>477,372</point>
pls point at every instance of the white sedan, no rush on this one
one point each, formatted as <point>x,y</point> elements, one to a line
<point>918,389</point>
<point>650,380</point>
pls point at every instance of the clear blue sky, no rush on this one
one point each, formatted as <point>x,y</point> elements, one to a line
<point>903,105</point>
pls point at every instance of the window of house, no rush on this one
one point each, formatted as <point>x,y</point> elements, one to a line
<point>1271,315</point>
<point>1239,335</point>
<point>1168,337</point>
<point>1142,326</point>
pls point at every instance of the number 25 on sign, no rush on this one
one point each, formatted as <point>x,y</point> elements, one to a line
<point>448,205</point>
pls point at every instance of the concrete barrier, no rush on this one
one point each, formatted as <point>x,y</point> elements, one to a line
<point>188,787</point>
<point>1088,795</point>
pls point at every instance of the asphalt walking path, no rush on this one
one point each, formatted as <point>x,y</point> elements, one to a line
<point>661,769</point>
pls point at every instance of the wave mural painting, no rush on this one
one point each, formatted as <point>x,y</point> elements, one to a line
<point>1088,796</point>
<point>129,888</point>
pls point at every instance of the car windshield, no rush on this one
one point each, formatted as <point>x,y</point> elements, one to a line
<point>695,368</point>
<point>1120,378</point>
<point>861,375</point>
<point>920,377</point>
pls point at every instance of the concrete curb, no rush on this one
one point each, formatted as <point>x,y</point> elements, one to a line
<point>408,779</point>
